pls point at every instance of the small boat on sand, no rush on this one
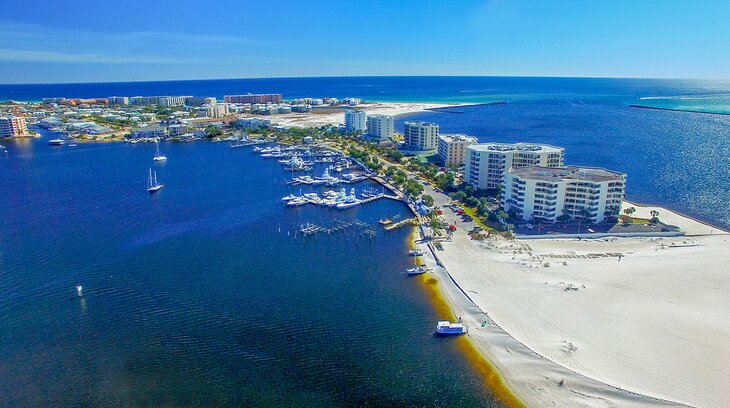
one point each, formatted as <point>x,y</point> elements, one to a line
<point>415,252</point>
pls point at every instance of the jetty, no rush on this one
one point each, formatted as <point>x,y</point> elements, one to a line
<point>408,221</point>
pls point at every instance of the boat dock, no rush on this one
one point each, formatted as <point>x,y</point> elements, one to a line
<point>364,229</point>
<point>401,223</point>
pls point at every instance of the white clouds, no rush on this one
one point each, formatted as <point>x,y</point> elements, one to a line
<point>62,57</point>
<point>33,43</point>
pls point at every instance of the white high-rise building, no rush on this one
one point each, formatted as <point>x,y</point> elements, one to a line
<point>380,127</point>
<point>355,121</point>
<point>451,148</point>
<point>485,164</point>
<point>546,193</point>
<point>13,126</point>
<point>420,135</point>
<point>118,100</point>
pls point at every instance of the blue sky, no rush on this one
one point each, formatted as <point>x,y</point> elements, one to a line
<point>92,41</point>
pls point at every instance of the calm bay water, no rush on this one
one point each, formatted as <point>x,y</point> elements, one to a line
<point>201,295</point>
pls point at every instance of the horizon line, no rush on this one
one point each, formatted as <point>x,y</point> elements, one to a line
<point>363,76</point>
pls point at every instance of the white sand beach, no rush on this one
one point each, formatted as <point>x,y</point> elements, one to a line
<point>648,328</point>
<point>335,117</point>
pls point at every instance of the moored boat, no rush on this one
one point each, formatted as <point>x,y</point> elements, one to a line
<point>152,184</point>
<point>415,252</point>
<point>417,270</point>
<point>446,328</point>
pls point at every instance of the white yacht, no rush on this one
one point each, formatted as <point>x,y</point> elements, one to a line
<point>152,184</point>
<point>416,270</point>
<point>289,197</point>
<point>297,202</point>
<point>56,142</point>
<point>350,201</point>
<point>158,156</point>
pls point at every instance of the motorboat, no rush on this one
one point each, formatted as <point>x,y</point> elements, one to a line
<point>415,252</point>
<point>446,328</point>
<point>56,142</point>
<point>416,270</point>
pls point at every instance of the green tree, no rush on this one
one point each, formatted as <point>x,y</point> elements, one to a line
<point>213,131</point>
<point>427,199</point>
<point>654,216</point>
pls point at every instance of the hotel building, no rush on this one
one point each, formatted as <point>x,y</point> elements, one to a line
<point>546,193</point>
<point>159,100</point>
<point>380,127</point>
<point>253,98</point>
<point>451,148</point>
<point>118,100</point>
<point>487,163</point>
<point>355,121</point>
<point>420,135</point>
<point>200,100</point>
<point>13,126</point>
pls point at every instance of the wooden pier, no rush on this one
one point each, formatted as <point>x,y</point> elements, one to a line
<point>396,225</point>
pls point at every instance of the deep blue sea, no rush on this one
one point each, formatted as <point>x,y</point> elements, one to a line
<point>201,295</point>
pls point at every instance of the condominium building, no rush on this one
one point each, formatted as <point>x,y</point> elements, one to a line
<point>451,148</point>
<point>355,121</point>
<point>151,131</point>
<point>420,135</point>
<point>159,100</point>
<point>117,100</point>
<point>200,100</point>
<point>13,126</point>
<point>546,193</point>
<point>213,111</point>
<point>253,98</point>
<point>380,127</point>
<point>485,164</point>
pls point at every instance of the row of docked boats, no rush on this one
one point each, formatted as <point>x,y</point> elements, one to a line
<point>328,179</point>
<point>337,199</point>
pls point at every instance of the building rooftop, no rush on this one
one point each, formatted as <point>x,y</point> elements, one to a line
<point>516,147</point>
<point>458,138</point>
<point>593,174</point>
<point>419,123</point>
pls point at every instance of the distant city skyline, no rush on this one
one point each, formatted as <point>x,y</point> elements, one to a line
<point>88,41</point>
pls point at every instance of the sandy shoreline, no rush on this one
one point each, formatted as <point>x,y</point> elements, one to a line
<point>648,330</point>
<point>314,119</point>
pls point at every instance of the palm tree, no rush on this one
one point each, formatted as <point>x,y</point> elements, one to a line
<point>629,211</point>
<point>583,215</point>
<point>654,216</point>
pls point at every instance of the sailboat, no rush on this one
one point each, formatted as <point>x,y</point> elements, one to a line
<point>158,156</point>
<point>152,184</point>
